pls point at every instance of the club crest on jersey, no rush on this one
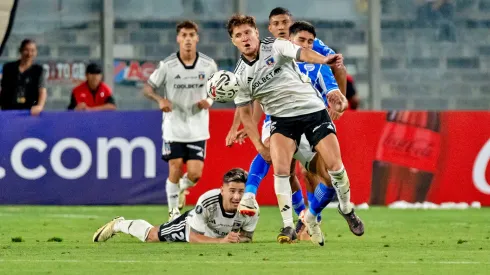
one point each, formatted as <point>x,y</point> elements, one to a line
<point>270,61</point>
<point>309,67</point>
<point>202,75</point>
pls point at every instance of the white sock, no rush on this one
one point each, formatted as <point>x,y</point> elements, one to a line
<point>172,194</point>
<point>248,195</point>
<point>185,183</point>
<point>284,199</point>
<point>309,217</point>
<point>340,182</point>
<point>136,228</point>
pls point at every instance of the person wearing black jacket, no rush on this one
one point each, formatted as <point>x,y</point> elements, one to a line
<point>23,85</point>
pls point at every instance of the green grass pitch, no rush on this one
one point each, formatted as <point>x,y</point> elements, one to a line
<point>58,240</point>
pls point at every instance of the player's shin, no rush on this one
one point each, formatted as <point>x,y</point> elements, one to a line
<point>340,181</point>
<point>173,191</point>
<point>284,200</point>
<point>136,228</point>
<point>185,183</point>
<point>258,170</point>
<point>298,202</point>
<point>320,199</point>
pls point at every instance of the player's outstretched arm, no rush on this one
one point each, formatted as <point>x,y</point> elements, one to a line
<point>196,237</point>
<point>252,131</point>
<point>340,74</point>
<point>233,132</point>
<point>257,112</point>
<point>310,56</point>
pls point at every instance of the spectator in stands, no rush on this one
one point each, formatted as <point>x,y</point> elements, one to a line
<point>438,13</point>
<point>93,94</point>
<point>23,82</point>
<point>351,92</point>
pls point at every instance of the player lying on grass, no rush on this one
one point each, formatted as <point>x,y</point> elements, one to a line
<point>213,220</point>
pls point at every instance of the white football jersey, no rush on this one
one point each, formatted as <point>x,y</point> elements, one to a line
<point>275,80</point>
<point>210,219</point>
<point>184,86</point>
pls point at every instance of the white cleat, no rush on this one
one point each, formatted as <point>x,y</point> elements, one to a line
<point>248,206</point>
<point>173,214</point>
<point>316,234</point>
<point>182,195</point>
<point>107,231</point>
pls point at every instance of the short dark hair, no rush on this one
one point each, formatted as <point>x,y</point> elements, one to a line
<point>93,68</point>
<point>235,175</point>
<point>280,11</point>
<point>24,43</point>
<point>187,24</point>
<point>238,19</point>
<point>299,26</point>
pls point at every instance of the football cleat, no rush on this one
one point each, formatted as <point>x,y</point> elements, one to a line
<point>173,214</point>
<point>107,231</point>
<point>356,226</point>
<point>248,206</point>
<point>182,195</point>
<point>287,235</point>
<point>316,235</point>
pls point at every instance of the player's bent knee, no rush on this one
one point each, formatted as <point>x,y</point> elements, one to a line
<point>153,235</point>
<point>194,176</point>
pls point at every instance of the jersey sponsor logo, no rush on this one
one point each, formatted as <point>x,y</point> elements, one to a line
<point>188,86</point>
<point>266,78</point>
<point>309,67</point>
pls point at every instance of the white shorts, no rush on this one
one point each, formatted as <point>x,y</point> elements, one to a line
<point>304,154</point>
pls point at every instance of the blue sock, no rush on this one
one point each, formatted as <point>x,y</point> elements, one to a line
<point>298,202</point>
<point>321,198</point>
<point>258,170</point>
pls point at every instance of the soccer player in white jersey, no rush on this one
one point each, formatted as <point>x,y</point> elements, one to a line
<point>182,78</point>
<point>214,219</point>
<point>268,73</point>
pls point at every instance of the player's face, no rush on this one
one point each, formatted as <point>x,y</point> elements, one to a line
<point>29,52</point>
<point>279,25</point>
<point>246,39</point>
<point>232,194</point>
<point>303,39</point>
<point>187,39</point>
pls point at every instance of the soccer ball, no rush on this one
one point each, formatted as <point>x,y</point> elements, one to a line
<point>222,86</point>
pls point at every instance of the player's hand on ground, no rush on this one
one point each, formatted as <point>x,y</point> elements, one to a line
<point>165,105</point>
<point>203,104</point>
<point>335,60</point>
<point>337,101</point>
<point>333,114</point>
<point>232,237</point>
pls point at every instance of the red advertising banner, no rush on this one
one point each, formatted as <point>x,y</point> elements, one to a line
<point>390,156</point>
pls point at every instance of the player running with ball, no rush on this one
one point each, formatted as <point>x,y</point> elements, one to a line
<point>267,73</point>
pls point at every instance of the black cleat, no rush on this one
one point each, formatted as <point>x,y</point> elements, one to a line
<point>355,224</point>
<point>287,235</point>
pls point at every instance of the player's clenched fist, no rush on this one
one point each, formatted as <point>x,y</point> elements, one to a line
<point>337,101</point>
<point>165,105</point>
<point>232,237</point>
<point>336,60</point>
<point>203,104</point>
